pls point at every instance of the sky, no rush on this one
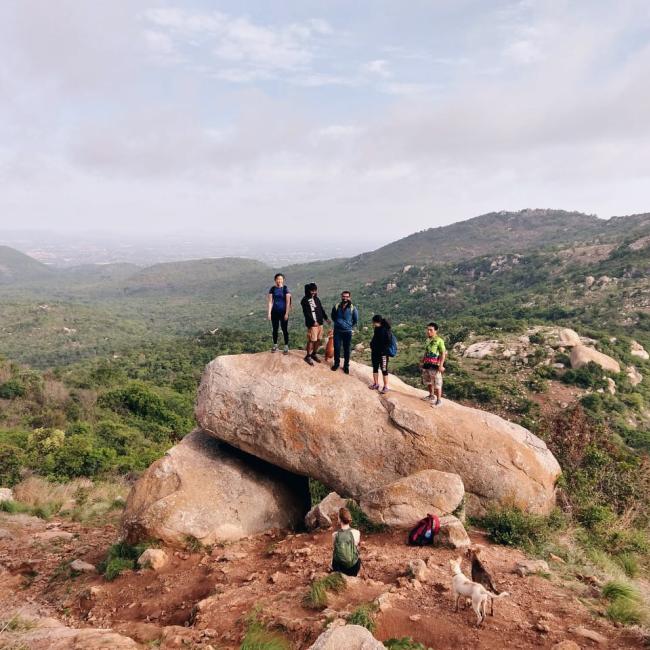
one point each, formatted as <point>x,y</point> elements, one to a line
<point>299,120</point>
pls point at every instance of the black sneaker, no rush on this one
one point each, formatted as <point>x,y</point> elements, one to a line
<point>315,358</point>
<point>335,367</point>
<point>309,361</point>
<point>346,370</point>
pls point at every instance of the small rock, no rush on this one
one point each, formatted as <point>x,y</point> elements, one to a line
<point>154,558</point>
<point>453,533</point>
<point>305,550</point>
<point>592,635</point>
<point>566,645</point>
<point>53,535</point>
<point>543,627</point>
<point>417,569</point>
<point>526,567</point>
<point>274,578</point>
<point>6,494</point>
<point>556,558</point>
<point>82,567</point>
<point>414,617</point>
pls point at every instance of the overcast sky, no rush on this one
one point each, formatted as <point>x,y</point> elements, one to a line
<point>371,119</point>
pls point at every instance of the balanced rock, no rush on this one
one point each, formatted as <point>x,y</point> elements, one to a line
<point>323,513</point>
<point>404,502</point>
<point>329,426</point>
<point>205,490</point>
<point>347,637</point>
<point>581,355</point>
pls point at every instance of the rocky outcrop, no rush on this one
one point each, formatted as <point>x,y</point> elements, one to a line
<point>330,427</point>
<point>634,376</point>
<point>581,355</point>
<point>453,533</point>
<point>325,512</point>
<point>567,338</point>
<point>347,637</point>
<point>205,490</point>
<point>6,494</point>
<point>404,502</point>
<point>637,350</point>
<point>483,349</point>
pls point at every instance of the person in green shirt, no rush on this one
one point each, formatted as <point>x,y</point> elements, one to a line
<point>433,365</point>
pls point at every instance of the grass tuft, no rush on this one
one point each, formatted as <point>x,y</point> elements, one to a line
<point>364,615</point>
<point>317,596</point>
<point>119,558</point>
<point>404,643</point>
<point>259,637</point>
<point>625,603</point>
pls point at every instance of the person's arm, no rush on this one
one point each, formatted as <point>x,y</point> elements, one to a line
<point>325,318</point>
<point>334,314</point>
<point>287,301</point>
<point>443,358</point>
<point>305,311</point>
<point>355,317</point>
<point>270,305</point>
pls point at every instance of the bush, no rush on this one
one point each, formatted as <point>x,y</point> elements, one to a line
<point>625,603</point>
<point>12,459</point>
<point>404,643</point>
<point>513,527</point>
<point>12,389</point>
<point>360,520</point>
<point>259,637</point>
<point>120,557</point>
<point>589,376</point>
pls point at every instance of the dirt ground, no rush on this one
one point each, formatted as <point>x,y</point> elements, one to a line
<point>200,599</point>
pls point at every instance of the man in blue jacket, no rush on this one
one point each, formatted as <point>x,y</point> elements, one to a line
<point>345,317</point>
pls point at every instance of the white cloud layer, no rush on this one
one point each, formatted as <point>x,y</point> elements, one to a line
<point>372,118</point>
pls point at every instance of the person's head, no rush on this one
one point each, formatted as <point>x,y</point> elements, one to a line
<point>346,296</point>
<point>278,279</point>
<point>378,320</point>
<point>345,516</point>
<point>311,289</point>
<point>432,329</point>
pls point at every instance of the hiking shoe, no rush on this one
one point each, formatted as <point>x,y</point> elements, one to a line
<point>384,390</point>
<point>274,348</point>
<point>374,387</point>
<point>438,403</point>
<point>427,398</point>
<point>346,370</point>
<point>315,358</point>
<point>335,367</point>
<point>309,361</point>
<point>286,349</point>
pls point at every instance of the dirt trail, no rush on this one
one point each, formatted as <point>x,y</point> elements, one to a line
<point>203,597</point>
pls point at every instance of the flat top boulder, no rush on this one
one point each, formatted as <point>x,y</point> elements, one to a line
<point>330,427</point>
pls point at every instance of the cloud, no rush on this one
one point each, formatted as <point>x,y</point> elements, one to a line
<point>378,67</point>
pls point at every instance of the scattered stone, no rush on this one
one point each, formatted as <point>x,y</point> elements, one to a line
<point>53,535</point>
<point>556,558</point>
<point>82,567</point>
<point>611,386</point>
<point>634,376</point>
<point>453,533</point>
<point>417,569</point>
<point>401,503</point>
<point>274,578</point>
<point>637,350</point>
<point>383,601</point>
<point>323,513</point>
<point>526,567</point>
<point>543,627</point>
<point>6,494</point>
<point>589,281</point>
<point>581,355</point>
<point>415,617</point>
<point>153,558</point>
<point>592,635</point>
<point>566,645</point>
<point>347,637</point>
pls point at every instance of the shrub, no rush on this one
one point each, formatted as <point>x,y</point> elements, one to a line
<point>360,520</point>
<point>625,603</point>
<point>12,389</point>
<point>317,491</point>
<point>120,557</point>
<point>589,376</point>
<point>404,643</point>
<point>513,527</point>
<point>12,459</point>
<point>259,637</point>
<point>364,615</point>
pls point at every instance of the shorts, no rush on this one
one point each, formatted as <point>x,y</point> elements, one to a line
<point>432,377</point>
<point>315,333</point>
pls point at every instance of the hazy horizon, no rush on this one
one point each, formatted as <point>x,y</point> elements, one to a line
<point>311,121</point>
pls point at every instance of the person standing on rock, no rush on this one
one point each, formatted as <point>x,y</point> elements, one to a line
<point>345,317</point>
<point>379,351</point>
<point>314,318</point>
<point>433,365</point>
<point>345,558</point>
<point>279,304</point>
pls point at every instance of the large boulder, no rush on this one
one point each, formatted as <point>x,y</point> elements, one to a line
<point>404,502</point>
<point>483,349</point>
<point>329,426</point>
<point>637,350</point>
<point>347,637</point>
<point>568,338</point>
<point>206,490</point>
<point>323,514</point>
<point>581,355</point>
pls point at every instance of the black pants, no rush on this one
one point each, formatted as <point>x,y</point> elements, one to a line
<point>379,361</point>
<point>349,571</point>
<point>344,338</point>
<point>277,320</point>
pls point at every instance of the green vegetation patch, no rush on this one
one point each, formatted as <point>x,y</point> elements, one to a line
<point>317,596</point>
<point>119,558</point>
<point>364,615</point>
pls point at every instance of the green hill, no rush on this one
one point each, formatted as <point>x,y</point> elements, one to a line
<point>16,267</point>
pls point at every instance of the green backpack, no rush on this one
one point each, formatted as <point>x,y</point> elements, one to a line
<point>345,550</point>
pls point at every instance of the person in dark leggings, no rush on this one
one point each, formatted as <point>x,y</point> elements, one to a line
<point>379,346</point>
<point>279,305</point>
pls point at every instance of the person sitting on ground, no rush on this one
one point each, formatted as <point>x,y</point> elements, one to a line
<point>314,317</point>
<point>279,304</point>
<point>345,317</point>
<point>345,558</point>
<point>379,346</point>
<point>433,365</point>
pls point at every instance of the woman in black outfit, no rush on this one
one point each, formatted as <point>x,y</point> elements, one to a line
<point>379,345</point>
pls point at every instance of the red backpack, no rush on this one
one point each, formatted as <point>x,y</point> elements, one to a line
<point>425,530</point>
